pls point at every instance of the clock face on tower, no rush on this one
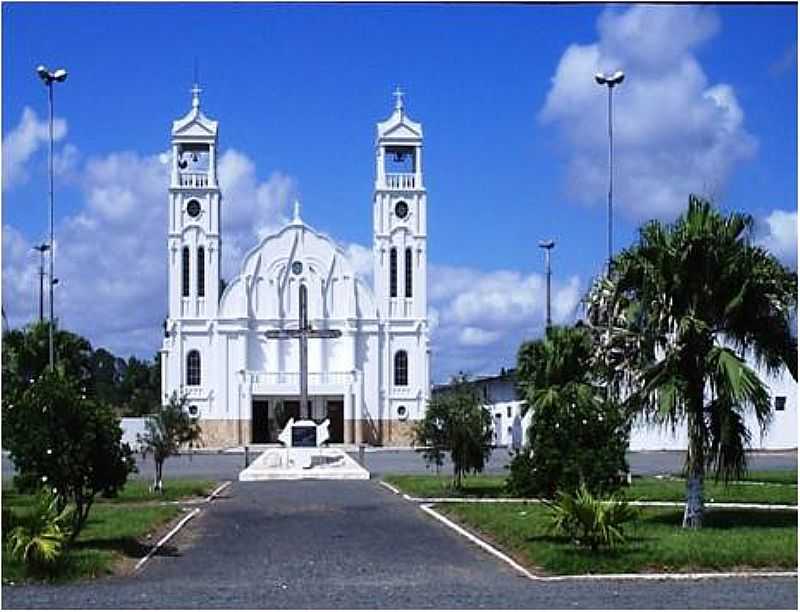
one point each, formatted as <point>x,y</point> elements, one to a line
<point>401,210</point>
<point>193,208</point>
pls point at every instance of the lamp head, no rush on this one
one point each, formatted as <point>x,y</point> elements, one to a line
<point>60,75</point>
<point>43,73</point>
<point>600,78</point>
<point>547,244</point>
<point>617,77</point>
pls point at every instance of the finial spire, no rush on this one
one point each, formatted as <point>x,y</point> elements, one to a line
<point>196,95</point>
<point>398,94</point>
<point>296,218</point>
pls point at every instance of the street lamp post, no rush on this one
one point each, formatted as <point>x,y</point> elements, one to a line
<point>547,245</point>
<point>41,248</point>
<point>610,81</point>
<point>48,78</point>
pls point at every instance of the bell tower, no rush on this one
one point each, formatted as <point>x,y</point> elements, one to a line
<point>194,217</point>
<point>400,218</point>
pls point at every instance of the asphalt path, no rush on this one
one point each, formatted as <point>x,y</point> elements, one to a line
<point>226,466</point>
<point>354,545</point>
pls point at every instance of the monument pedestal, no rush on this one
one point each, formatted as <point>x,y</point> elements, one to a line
<point>303,458</point>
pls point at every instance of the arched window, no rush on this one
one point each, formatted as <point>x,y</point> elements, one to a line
<point>201,272</point>
<point>393,272</point>
<point>409,272</point>
<point>401,369</point>
<point>185,269</point>
<point>193,368</point>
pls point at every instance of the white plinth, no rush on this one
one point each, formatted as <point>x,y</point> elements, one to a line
<point>312,463</point>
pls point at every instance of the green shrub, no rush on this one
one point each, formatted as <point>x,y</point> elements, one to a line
<point>40,538</point>
<point>588,520</point>
<point>58,436</point>
<point>576,435</point>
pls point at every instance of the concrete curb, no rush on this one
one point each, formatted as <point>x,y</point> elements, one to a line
<point>537,500</point>
<point>166,538</point>
<point>192,514</point>
<point>589,577</point>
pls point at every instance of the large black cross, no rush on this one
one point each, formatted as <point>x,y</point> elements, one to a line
<point>303,333</point>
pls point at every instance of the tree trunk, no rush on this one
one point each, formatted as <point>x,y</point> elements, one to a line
<point>695,464</point>
<point>693,513</point>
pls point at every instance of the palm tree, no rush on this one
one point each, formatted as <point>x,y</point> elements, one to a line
<point>689,305</point>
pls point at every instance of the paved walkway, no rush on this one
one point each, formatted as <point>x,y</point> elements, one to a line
<point>356,545</point>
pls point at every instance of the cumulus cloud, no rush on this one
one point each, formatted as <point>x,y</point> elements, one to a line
<point>478,319</point>
<point>674,132</point>
<point>22,142</point>
<point>779,235</point>
<point>111,255</point>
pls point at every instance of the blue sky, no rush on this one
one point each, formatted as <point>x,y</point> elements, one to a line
<point>514,141</point>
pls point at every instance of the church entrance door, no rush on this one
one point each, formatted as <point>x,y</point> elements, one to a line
<point>261,422</point>
<point>335,410</point>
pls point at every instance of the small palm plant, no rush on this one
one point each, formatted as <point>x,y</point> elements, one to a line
<point>588,520</point>
<point>40,540</point>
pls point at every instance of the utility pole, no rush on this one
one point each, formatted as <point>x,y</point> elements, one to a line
<point>48,78</point>
<point>547,245</point>
<point>610,81</point>
<point>41,248</point>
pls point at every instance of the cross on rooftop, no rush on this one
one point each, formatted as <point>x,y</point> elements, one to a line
<point>398,93</point>
<point>196,96</point>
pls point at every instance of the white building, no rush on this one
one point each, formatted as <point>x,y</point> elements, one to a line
<point>500,398</point>
<point>373,381</point>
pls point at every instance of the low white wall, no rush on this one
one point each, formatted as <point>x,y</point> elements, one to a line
<point>131,426</point>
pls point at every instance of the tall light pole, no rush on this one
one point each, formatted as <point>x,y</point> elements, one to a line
<point>547,245</point>
<point>48,78</point>
<point>41,248</point>
<point>610,81</point>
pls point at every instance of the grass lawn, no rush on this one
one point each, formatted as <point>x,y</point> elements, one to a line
<point>653,489</point>
<point>730,540</point>
<point>118,531</point>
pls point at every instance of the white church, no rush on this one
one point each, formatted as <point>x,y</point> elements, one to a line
<point>373,380</point>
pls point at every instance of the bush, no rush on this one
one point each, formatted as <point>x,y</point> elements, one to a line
<point>589,520</point>
<point>456,422</point>
<point>576,436</point>
<point>40,538</point>
<point>58,437</point>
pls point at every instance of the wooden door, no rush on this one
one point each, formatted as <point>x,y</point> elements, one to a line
<point>335,410</point>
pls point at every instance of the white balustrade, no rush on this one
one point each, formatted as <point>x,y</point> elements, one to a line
<point>401,181</point>
<point>292,379</point>
<point>194,180</point>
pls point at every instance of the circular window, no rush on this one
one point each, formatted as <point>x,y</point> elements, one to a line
<point>193,411</point>
<point>193,208</point>
<point>401,210</point>
<point>402,413</point>
<point>297,267</point>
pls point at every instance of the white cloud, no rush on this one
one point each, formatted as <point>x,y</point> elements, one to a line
<point>20,144</point>
<point>674,133</point>
<point>111,255</point>
<point>478,319</point>
<point>779,235</point>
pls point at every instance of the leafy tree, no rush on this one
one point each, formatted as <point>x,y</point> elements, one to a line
<point>456,422</point>
<point>140,386</point>
<point>106,376</point>
<point>26,354</point>
<point>577,437</point>
<point>168,429</point>
<point>687,304</point>
<point>59,437</point>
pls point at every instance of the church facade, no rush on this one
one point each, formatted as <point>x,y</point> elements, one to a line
<point>230,351</point>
